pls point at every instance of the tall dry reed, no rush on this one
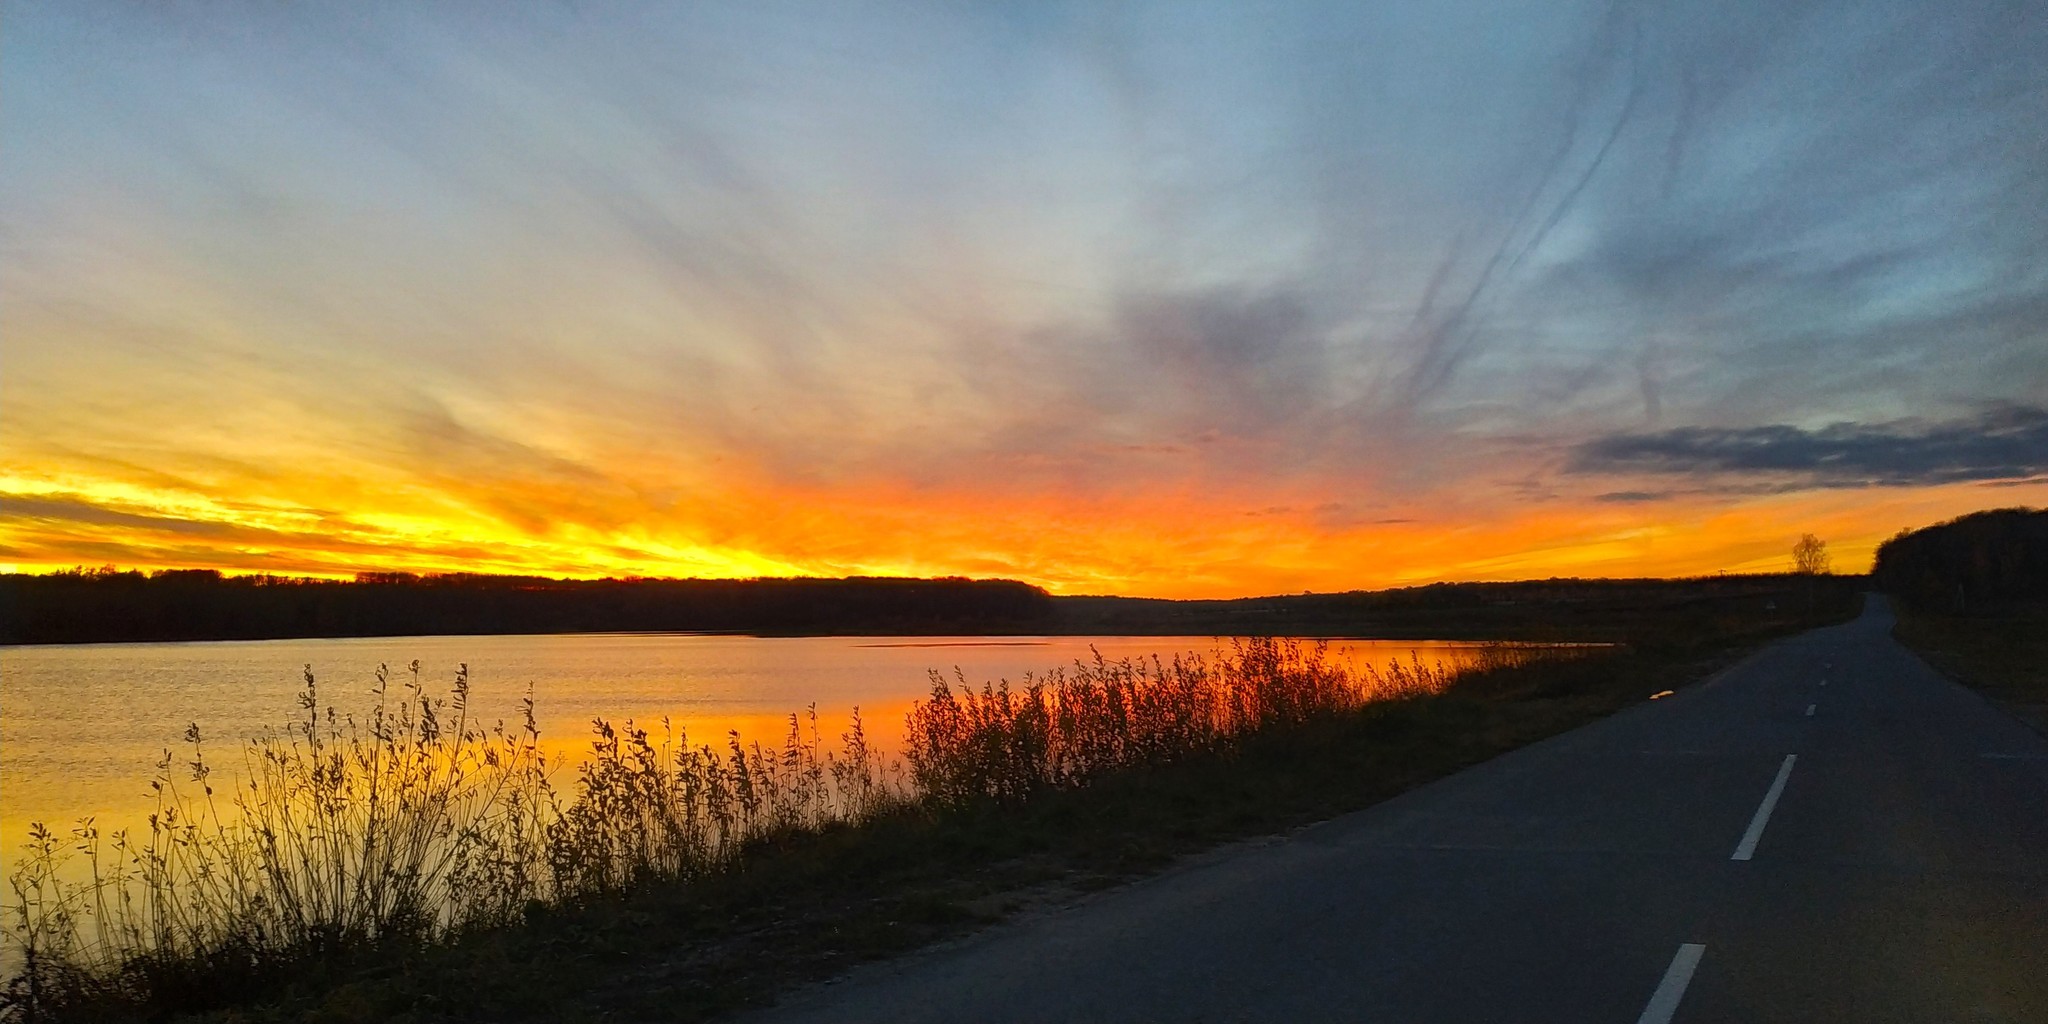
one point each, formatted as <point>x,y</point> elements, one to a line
<point>420,823</point>
<point>1073,725</point>
<point>409,826</point>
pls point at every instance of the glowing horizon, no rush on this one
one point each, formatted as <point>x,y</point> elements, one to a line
<point>1177,301</point>
<point>1282,558</point>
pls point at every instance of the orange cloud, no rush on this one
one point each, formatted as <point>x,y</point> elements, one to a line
<point>1161,540</point>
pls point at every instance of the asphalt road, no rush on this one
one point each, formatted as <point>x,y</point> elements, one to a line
<point>1829,831</point>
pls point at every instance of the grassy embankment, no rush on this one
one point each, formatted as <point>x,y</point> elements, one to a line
<point>2003,654</point>
<point>423,869</point>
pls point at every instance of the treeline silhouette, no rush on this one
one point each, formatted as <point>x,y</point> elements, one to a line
<point>1609,610</point>
<point>95,605</point>
<point>1982,562</point>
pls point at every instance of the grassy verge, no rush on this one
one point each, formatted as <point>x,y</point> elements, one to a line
<point>2004,655</point>
<point>800,903</point>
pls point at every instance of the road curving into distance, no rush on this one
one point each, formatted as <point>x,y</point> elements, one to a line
<point>1828,831</point>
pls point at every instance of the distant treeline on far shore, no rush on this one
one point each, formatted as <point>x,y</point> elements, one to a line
<point>95,605</point>
<point>102,605</point>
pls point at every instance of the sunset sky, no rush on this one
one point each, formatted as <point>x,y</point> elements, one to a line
<point>1163,299</point>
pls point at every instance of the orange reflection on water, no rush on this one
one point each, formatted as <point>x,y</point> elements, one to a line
<point>80,741</point>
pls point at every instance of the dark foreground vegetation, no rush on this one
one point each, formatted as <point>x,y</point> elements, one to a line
<point>1972,597</point>
<point>417,867</point>
<point>102,605</point>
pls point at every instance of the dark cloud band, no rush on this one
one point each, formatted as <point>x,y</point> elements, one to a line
<point>2007,443</point>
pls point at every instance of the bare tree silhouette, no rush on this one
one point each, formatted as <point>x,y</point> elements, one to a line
<point>1810,556</point>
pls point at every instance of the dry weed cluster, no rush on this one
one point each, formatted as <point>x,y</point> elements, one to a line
<point>420,823</point>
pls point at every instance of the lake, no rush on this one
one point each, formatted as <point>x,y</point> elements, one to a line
<point>82,727</point>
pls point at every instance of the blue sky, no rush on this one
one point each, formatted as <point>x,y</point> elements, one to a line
<point>592,287</point>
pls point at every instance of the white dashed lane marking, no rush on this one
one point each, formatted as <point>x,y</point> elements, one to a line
<point>1664,1001</point>
<point>1747,848</point>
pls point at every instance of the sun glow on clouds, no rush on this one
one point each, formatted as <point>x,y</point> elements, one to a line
<point>1136,302</point>
<point>1162,545</point>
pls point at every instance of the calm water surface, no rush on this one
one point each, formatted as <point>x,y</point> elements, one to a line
<point>82,727</point>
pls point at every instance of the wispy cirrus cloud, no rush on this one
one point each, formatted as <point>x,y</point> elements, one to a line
<point>1055,291</point>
